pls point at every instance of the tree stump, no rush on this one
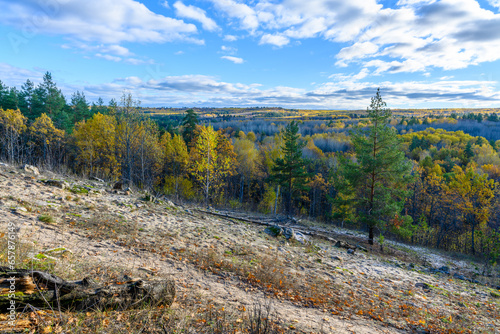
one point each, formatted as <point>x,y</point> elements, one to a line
<point>42,289</point>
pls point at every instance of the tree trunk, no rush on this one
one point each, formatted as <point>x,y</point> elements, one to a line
<point>370,234</point>
<point>276,200</point>
<point>42,289</point>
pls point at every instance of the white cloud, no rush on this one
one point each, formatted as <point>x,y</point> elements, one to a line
<point>230,38</point>
<point>228,49</point>
<point>246,16</point>
<point>495,3</point>
<point>235,60</point>
<point>197,14</point>
<point>108,57</point>
<point>276,40</point>
<point>342,92</point>
<point>104,21</point>
<point>415,34</point>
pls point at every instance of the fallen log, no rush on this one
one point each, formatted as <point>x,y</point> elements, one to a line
<point>42,289</point>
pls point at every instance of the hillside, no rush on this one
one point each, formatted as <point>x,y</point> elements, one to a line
<point>228,271</point>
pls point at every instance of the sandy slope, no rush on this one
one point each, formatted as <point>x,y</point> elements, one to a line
<point>144,239</point>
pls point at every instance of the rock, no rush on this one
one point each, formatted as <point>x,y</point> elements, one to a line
<point>336,258</point>
<point>350,251</point>
<point>343,244</point>
<point>301,238</point>
<point>361,248</point>
<point>21,209</point>
<point>274,231</point>
<point>97,179</point>
<point>57,183</point>
<point>460,277</point>
<point>31,169</point>
<point>289,233</point>
<point>444,270</point>
<point>423,286</point>
<point>411,266</point>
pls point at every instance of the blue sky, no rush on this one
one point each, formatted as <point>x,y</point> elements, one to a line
<point>320,54</point>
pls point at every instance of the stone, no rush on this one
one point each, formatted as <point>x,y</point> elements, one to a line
<point>337,258</point>
<point>289,233</point>
<point>274,231</point>
<point>422,285</point>
<point>460,277</point>
<point>31,169</point>
<point>444,270</point>
<point>57,183</point>
<point>350,251</point>
<point>300,237</point>
<point>361,248</point>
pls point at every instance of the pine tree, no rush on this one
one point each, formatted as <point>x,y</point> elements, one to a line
<point>380,175</point>
<point>290,171</point>
<point>189,124</point>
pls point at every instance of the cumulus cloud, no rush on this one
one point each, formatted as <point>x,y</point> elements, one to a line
<point>197,14</point>
<point>104,21</point>
<point>244,14</point>
<point>343,91</point>
<point>495,3</point>
<point>235,60</point>
<point>413,35</point>
<point>230,38</point>
<point>108,57</point>
<point>276,40</point>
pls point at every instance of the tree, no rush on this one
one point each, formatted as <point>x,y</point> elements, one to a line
<point>80,107</point>
<point>12,125</point>
<point>47,141</point>
<point>212,160</point>
<point>379,175</point>
<point>127,136</point>
<point>290,171</point>
<point>203,164</point>
<point>189,126</point>
<point>475,193</point>
<point>26,97</point>
<point>246,155</point>
<point>176,161</point>
<point>95,141</point>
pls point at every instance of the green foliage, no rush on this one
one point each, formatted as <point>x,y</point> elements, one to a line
<point>290,171</point>
<point>380,173</point>
<point>189,124</point>
<point>46,218</point>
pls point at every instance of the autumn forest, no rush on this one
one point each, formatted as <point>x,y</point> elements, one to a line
<point>422,177</point>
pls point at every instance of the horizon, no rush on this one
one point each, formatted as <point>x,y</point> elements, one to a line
<point>323,55</point>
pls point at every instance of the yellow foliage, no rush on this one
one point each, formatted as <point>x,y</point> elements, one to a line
<point>95,140</point>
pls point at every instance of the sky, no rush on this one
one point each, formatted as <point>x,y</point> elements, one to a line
<point>314,54</point>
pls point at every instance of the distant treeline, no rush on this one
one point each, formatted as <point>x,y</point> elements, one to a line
<point>452,201</point>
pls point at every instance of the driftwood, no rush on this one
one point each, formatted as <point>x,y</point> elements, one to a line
<point>275,222</point>
<point>42,289</point>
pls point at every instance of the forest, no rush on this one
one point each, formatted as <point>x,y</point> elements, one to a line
<point>422,178</point>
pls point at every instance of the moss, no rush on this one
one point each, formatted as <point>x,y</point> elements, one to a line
<point>79,190</point>
<point>494,294</point>
<point>46,218</point>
